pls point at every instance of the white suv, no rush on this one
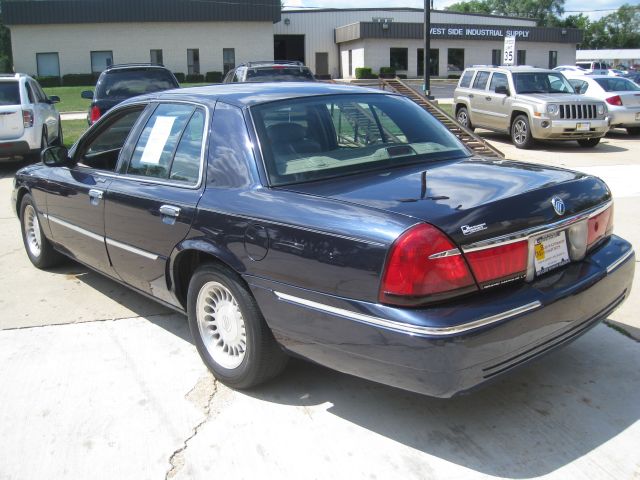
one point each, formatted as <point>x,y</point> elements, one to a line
<point>29,121</point>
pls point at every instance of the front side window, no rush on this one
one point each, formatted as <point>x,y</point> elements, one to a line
<point>170,135</point>
<point>399,58</point>
<point>100,60</point>
<point>541,83</point>
<point>315,138</point>
<point>455,59</point>
<point>580,86</point>
<point>498,80</point>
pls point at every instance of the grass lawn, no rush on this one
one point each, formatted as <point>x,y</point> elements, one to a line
<point>72,129</point>
<point>447,108</point>
<point>70,100</point>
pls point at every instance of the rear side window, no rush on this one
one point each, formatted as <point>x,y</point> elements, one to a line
<point>617,85</point>
<point>121,84</point>
<point>465,81</point>
<point>9,93</point>
<point>278,74</point>
<point>481,80</point>
<point>170,144</point>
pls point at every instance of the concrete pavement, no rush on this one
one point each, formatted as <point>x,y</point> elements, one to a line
<point>99,382</point>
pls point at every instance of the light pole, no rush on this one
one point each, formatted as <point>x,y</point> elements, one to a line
<point>427,48</point>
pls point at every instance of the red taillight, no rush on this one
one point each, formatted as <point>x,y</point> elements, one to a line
<point>423,262</point>
<point>600,226</point>
<point>615,100</point>
<point>500,263</point>
<point>27,118</point>
<point>95,114</point>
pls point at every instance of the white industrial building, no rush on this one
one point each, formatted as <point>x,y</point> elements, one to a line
<point>58,37</point>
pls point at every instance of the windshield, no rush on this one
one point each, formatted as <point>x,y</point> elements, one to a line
<point>9,93</point>
<point>328,136</point>
<point>617,85</point>
<point>541,82</point>
<point>121,84</point>
<point>279,74</point>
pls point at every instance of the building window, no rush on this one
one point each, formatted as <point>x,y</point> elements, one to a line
<point>193,61</point>
<point>350,63</point>
<point>228,59</point>
<point>496,57</point>
<point>522,57</point>
<point>100,60</point>
<point>156,57</point>
<point>48,64</point>
<point>434,62</point>
<point>553,58</point>
<point>455,60</point>
<point>399,58</point>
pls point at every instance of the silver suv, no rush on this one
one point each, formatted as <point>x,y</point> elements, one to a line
<point>29,121</point>
<point>528,103</point>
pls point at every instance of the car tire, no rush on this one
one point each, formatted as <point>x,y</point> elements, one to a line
<point>229,330</point>
<point>38,248</point>
<point>462,117</point>
<point>521,132</point>
<point>633,131</point>
<point>589,142</point>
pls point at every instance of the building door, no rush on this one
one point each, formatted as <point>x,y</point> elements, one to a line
<point>322,63</point>
<point>288,47</point>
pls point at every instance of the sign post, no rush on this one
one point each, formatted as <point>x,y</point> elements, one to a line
<point>508,58</point>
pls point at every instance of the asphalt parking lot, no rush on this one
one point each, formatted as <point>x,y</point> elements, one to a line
<point>99,382</point>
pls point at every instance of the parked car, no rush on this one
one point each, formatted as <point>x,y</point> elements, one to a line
<point>29,121</point>
<point>634,77</point>
<point>614,72</point>
<point>528,103</point>
<point>594,68</point>
<point>270,71</point>
<point>622,97</point>
<point>340,224</point>
<point>119,82</point>
<point>569,68</point>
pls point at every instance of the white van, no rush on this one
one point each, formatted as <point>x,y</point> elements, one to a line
<point>594,68</point>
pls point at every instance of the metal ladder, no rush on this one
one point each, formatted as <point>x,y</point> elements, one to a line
<point>476,144</point>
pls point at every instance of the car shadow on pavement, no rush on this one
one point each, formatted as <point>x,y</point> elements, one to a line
<point>138,304</point>
<point>565,146</point>
<point>529,424</point>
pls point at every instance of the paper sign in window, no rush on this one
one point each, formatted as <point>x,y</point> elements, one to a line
<point>157,140</point>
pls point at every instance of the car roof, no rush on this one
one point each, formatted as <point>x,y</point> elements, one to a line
<point>249,94</point>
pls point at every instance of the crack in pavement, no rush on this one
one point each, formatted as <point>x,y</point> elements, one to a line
<point>130,317</point>
<point>202,396</point>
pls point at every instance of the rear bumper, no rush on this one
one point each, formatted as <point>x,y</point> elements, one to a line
<point>10,149</point>
<point>625,118</point>
<point>445,350</point>
<point>567,129</point>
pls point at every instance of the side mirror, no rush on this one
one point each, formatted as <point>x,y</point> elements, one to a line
<point>502,89</point>
<point>88,94</point>
<point>57,156</point>
<point>54,99</point>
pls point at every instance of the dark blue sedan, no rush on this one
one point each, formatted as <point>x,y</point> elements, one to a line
<point>339,224</point>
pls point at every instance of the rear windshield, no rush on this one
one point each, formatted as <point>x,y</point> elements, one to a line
<point>121,84</point>
<point>617,85</point>
<point>9,93</point>
<point>322,137</point>
<point>279,74</point>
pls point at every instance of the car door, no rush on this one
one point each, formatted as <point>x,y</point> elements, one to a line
<point>477,99</point>
<point>150,205</point>
<point>497,108</point>
<point>75,196</point>
<point>46,111</point>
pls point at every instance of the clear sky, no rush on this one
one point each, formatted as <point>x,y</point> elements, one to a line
<point>589,8</point>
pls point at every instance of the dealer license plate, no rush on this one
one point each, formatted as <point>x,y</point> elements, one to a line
<point>550,251</point>
<point>583,126</point>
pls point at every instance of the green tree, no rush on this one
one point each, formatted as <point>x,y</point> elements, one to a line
<point>545,12</point>
<point>5,48</point>
<point>623,27</point>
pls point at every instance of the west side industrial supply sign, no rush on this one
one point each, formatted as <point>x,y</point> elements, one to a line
<point>452,32</point>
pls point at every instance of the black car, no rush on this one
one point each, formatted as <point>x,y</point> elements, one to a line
<point>339,224</point>
<point>120,82</point>
<point>270,71</point>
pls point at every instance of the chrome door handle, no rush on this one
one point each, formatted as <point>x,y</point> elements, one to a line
<point>170,210</point>
<point>471,95</point>
<point>487,98</point>
<point>95,196</point>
